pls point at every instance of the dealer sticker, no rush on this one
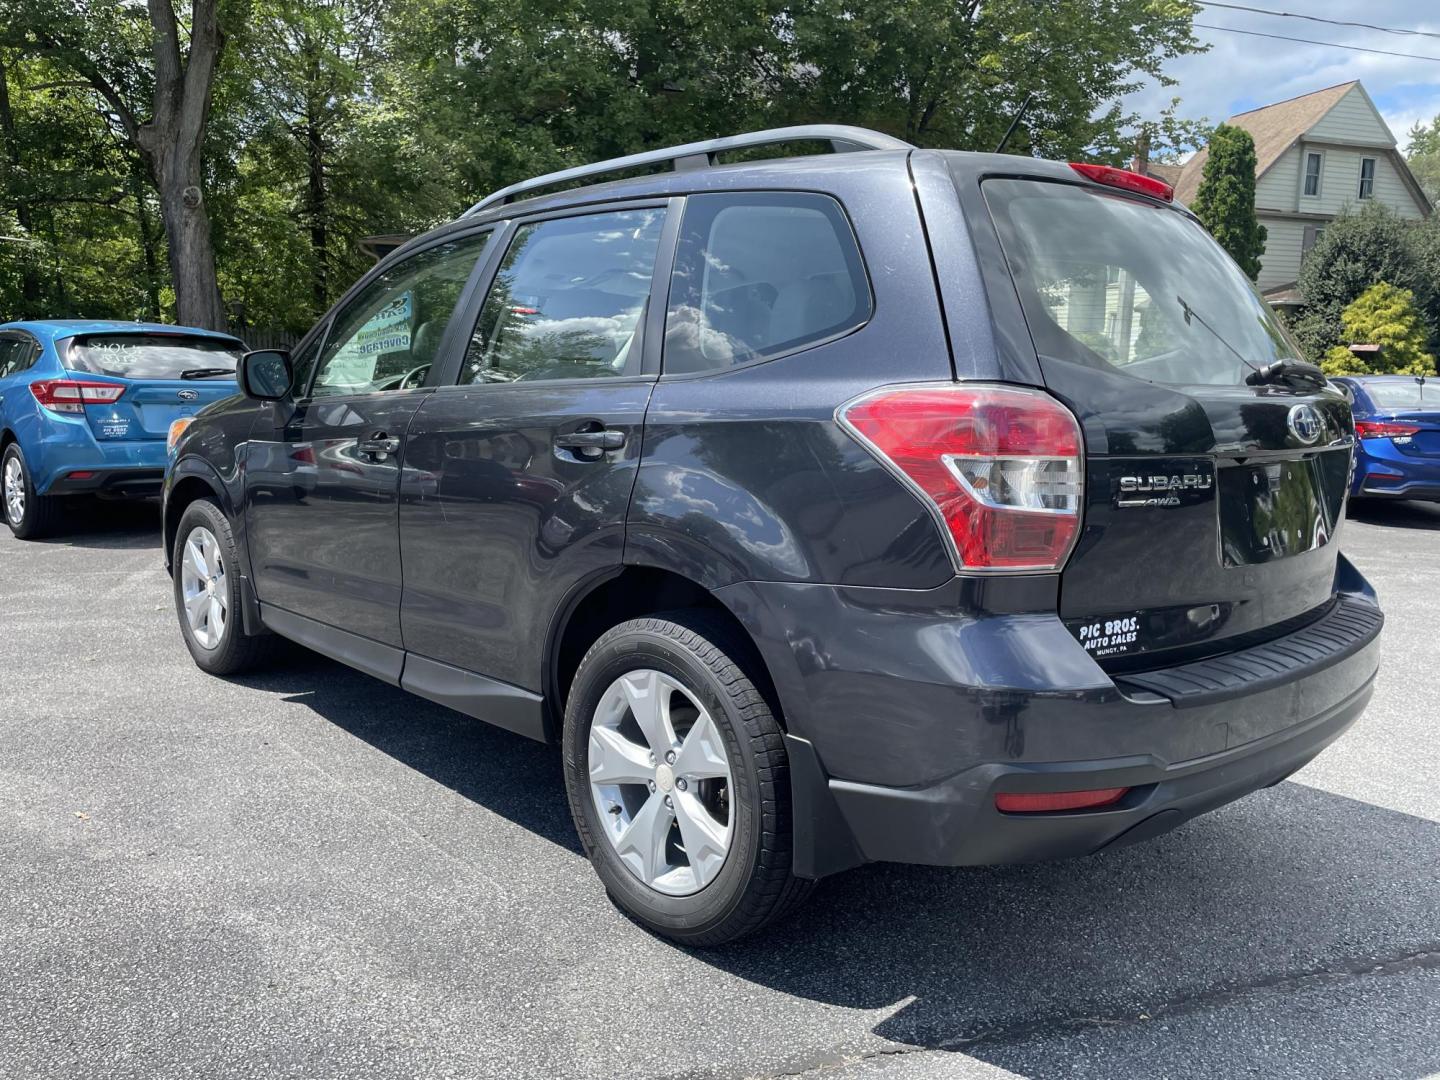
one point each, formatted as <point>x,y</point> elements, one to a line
<point>1110,637</point>
<point>115,431</point>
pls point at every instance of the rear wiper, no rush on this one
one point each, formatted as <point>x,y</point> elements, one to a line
<point>206,372</point>
<point>1191,313</point>
<point>1287,371</point>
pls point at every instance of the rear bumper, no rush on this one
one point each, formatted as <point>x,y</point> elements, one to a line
<point>906,718</point>
<point>121,467</point>
<point>1382,471</point>
<point>109,483</point>
<point>955,823</point>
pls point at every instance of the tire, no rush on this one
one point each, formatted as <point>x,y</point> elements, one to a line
<point>39,515</point>
<point>688,658</point>
<point>218,645</point>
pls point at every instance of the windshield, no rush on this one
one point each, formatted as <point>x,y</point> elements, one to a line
<point>1110,281</point>
<point>153,356</point>
<point>1401,395</point>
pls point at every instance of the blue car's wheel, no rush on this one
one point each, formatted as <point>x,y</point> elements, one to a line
<point>30,516</point>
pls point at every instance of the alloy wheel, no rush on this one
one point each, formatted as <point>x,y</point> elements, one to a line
<point>661,781</point>
<point>203,588</point>
<point>14,491</point>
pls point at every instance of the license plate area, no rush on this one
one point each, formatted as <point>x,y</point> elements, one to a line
<point>1274,509</point>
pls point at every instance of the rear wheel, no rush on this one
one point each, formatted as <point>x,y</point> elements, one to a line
<point>207,594</point>
<point>30,516</point>
<point>678,780</point>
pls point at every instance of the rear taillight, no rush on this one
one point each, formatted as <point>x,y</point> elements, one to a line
<point>1383,429</point>
<point>1000,467</point>
<point>72,395</point>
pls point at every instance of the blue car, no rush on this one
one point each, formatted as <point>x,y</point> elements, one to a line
<point>1397,424</point>
<point>85,409</point>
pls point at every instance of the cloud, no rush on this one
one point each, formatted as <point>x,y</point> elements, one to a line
<point>1241,72</point>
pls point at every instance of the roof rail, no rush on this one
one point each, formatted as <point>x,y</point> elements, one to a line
<point>698,155</point>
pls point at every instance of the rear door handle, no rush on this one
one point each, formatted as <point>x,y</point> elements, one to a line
<point>605,439</point>
<point>379,446</point>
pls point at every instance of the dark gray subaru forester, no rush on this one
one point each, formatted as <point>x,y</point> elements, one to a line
<point>883,504</point>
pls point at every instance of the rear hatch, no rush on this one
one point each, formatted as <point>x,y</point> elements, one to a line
<point>1211,505</point>
<point>166,376</point>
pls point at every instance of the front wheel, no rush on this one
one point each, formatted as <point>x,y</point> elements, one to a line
<point>678,780</point>
<point>207,593</point>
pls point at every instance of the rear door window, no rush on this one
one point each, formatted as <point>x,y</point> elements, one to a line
<point>759,274</point>
<point>153,356</point>
<point>1107,280</point>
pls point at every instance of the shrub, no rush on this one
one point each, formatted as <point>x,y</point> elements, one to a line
<point>1356,250</point>
<point>1382,315</point>
<point>1225,200</point>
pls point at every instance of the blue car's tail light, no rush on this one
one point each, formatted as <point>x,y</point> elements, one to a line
<point>72,395</point>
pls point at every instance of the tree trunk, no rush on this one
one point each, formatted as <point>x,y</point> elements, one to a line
<point>171,146</point>
<point>29,273</point>
<point>187,235</point>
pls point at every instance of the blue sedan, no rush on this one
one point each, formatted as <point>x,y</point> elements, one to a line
<point>85,408</point>
<point>1397,423</point>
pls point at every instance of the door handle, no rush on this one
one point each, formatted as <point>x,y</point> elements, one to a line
<point>605,439</point>
<point>378,446</point>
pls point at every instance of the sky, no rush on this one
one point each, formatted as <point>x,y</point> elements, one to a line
<point>1240,72</point>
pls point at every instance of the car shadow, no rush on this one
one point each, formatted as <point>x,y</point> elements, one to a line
<point>504,772</point>
<point>114,525</point>
<point>1287,890</point>
<point>1397,513</point>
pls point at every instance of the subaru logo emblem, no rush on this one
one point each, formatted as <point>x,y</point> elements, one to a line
<point>1304,423</point>
<point>191,395</point>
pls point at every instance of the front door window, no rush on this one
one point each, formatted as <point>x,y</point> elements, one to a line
<point>387,336</point>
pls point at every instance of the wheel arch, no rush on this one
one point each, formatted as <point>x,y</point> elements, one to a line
<point>633,592</point>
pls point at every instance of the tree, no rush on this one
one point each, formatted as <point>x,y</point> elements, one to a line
<point>1356,250</point>
<point>941,73</point>
<point>155,80</point>
<point>1386,316</point>
<point>1225,201</point>
<point>1422,154</point>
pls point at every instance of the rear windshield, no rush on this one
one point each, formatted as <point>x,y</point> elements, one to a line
<point>1402,395</point>
<point>1109,281</point>
<point>153,356</point>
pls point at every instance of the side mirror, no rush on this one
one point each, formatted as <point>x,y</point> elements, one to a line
<point>265,374</point>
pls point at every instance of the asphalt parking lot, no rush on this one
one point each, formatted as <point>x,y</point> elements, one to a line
<point>308,873</point>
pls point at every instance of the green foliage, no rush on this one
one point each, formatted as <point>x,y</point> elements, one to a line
<point>1382,315</point>
<point>1358,250</point>
<point>1422,154</point>
<point>337,119</point>
<point>1225,201</point>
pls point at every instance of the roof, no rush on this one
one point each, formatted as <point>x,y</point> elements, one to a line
<point>1168,173</point>
<point>1274,129</point>
<point>59,328</point>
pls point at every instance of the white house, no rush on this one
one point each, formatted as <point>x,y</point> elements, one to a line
<point>1315,155</point>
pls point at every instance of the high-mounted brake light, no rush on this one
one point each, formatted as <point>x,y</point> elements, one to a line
<point>1384,429</point>
<point>1049,802</point>
<point>1000,467</point>
<point>72,395</point>
<point>1125,180</point>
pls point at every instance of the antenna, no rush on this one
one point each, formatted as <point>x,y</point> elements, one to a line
<point>1014,123</point>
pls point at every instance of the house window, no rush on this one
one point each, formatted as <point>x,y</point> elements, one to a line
<point>1367,177</point>
<point>1312,173</point>
<point>1312,234</point>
